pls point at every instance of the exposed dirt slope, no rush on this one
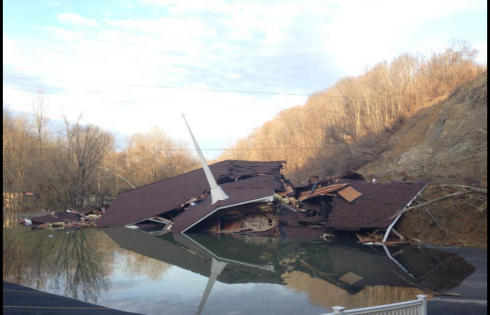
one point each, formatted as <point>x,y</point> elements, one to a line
<point>454,222</point>
<point>445,143</point>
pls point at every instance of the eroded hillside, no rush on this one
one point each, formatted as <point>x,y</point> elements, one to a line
<point>445,143</point>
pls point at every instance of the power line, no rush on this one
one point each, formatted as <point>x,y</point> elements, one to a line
<point>61,94</point>
<point>173,99</point>
<point>183,88</point>
<point>256,149</point>
<point>161,86</point>
<point>274,118</point>
<point>159,98</point>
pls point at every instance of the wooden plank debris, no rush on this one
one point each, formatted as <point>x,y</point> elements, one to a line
<point>349,193</point>
<point>321,191</point>
<point>253,222</point>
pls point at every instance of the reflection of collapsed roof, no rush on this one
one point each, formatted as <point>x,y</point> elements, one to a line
<point>61,219</point>
<point>180,253</point>
<point>344,202</point>
<point>68,216</point>
<point>345,264</point>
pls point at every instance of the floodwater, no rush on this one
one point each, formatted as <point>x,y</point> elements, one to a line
<point>134,271</point>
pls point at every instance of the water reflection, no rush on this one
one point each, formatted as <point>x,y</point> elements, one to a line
<point>337,273</point>
<point>303,277</point>
<point>136,265</point>
<point>74,263</point>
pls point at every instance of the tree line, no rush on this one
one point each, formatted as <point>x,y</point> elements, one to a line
<point>343,127</point>
<point>79,165</point>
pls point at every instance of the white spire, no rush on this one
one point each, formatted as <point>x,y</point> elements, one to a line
<point>217,192</point>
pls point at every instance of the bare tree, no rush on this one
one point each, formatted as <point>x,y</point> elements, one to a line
<point>153,156</point>
<point>39,109</point>
<point>80,153</point>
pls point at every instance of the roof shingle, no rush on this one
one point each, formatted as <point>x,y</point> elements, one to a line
<point>163,196</point>
<point>375,207</point>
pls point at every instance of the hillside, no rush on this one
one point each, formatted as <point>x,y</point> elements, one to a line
<point>446,143</point>
<point>352,123</point>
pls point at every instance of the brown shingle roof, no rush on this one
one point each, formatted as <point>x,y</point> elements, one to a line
<point>67,216</point>
<point>162,196</point>
<point>44,219</point>
<point>238,192</point>
<point>375,207</point>
<point>303,232</point>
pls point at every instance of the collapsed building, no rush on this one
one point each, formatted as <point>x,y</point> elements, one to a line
<point>185,200</point>
<point>254,197</point>
<point>260,201</point>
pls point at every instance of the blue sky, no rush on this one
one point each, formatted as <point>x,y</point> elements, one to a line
<point>291,47</point>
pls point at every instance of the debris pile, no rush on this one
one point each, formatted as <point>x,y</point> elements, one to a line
<point>66,219</point>
<point>261,201</point>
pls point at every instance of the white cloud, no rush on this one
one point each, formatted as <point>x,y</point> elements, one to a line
<point>187,28</point>
<point>10,53</point>
<point>278,46</point>
<point>365,33</point>
<point>65,34</point>
<point>482,55</point>
<point>52,3</point>
<point>75,19</point>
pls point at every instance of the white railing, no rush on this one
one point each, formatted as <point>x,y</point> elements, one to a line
<point>416,307</point>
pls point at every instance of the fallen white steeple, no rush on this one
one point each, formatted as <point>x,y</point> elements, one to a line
<point>217,192</point>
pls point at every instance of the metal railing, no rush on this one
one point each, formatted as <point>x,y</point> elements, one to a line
<point>416,307</point>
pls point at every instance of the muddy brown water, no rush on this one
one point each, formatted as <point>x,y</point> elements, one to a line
<point>134,271</point>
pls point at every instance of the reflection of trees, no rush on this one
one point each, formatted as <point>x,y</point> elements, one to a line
<point>323,293</point>
<point>13,259</point>
<point>10,218</point>
<point>137,265</point>
<point>73,263</point>
<point>77,263</point>
<point>81,266</point>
